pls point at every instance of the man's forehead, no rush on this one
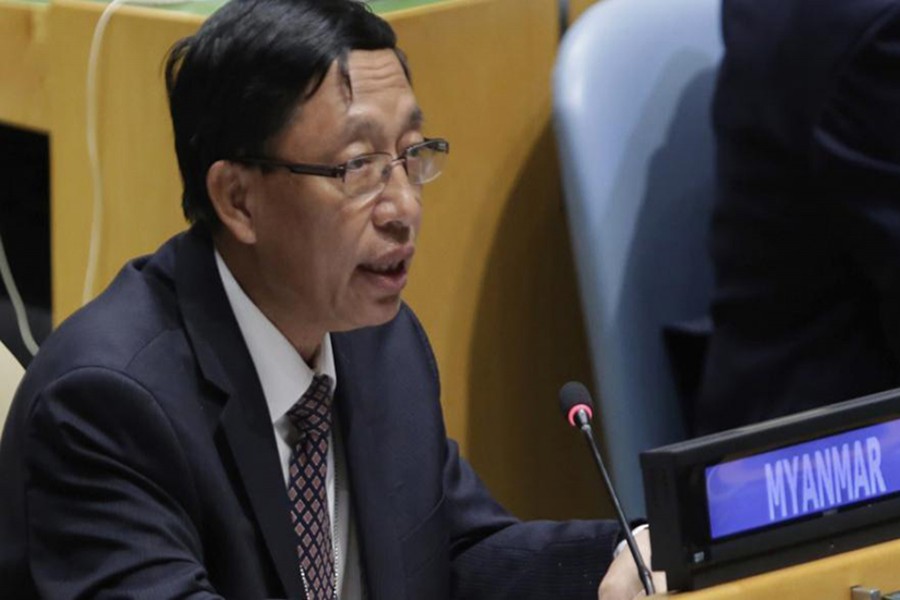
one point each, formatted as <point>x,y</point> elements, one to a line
<point>341,110</point>
<point>371,71</point>
<point>372,74</point>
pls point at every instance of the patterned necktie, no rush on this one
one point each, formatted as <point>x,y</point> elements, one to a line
<point>311,415</point>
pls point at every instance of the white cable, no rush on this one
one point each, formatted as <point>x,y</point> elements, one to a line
<point>90,274</point>
<point>16,300</point>
<point>91,102</point>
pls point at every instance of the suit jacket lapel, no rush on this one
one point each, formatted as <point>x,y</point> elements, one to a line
<point>245,423</point>
<point>370,487</point>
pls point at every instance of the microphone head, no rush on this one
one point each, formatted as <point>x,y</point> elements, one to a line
<point>574,397</point>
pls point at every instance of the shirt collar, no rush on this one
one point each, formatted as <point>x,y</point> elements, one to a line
<point>283,373</point>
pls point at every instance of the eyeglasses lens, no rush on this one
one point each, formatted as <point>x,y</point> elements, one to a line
<point>369,174</point>
<point>424,165</point>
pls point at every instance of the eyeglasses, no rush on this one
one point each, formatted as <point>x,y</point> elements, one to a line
<point>368,174</point>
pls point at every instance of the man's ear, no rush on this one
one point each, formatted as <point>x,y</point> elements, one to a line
<point>227,186</point>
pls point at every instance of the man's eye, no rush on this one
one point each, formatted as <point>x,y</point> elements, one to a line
<point>360,162</point>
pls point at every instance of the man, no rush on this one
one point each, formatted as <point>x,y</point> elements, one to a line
<point>806,231</point>
<point>251,411</point>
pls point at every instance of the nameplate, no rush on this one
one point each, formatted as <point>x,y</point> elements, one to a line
<point>774,494</point>
<point>804,479</point>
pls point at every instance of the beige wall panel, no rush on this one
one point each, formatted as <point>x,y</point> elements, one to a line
<point>141,187</point>
<point>23,65</point>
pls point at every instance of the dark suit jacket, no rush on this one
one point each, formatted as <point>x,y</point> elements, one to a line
<point>138,461</point>
<point>806,232</point>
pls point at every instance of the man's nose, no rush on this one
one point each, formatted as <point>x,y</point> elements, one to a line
<point>399,207</point>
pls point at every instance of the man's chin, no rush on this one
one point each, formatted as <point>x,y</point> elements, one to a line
<point>379,313</point>
<point>386,310</point>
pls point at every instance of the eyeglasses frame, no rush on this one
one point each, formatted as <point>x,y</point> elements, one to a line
<point>340,171</point>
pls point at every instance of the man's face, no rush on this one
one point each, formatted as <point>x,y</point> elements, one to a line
<point>335,262</point>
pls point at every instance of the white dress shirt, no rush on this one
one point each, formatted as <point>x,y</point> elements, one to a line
<point>285,377</point>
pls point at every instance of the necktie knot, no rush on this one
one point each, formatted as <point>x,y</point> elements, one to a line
<point>312,413</point>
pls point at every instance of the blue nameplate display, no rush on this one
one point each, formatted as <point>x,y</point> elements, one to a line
<point>804,479</point>
<point>775,494</point>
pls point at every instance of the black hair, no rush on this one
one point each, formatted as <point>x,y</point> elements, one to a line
<point>236,83</point>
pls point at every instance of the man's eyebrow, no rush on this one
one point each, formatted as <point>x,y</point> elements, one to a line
<point>362,128</point>
<point>358,129</point>
<point>416,119</point>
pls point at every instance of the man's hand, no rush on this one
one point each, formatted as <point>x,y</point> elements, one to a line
<point>622,581</point>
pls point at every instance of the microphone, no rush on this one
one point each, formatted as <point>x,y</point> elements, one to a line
<point>576,406</point>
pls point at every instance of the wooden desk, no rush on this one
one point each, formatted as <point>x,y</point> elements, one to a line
<point>827,579</point>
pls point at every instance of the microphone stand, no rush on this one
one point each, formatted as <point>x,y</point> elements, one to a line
<point>644,573</point>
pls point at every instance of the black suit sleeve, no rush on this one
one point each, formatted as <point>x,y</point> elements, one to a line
<point>496,556</point>
<point>856,145</point>
<point>109,500</point>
